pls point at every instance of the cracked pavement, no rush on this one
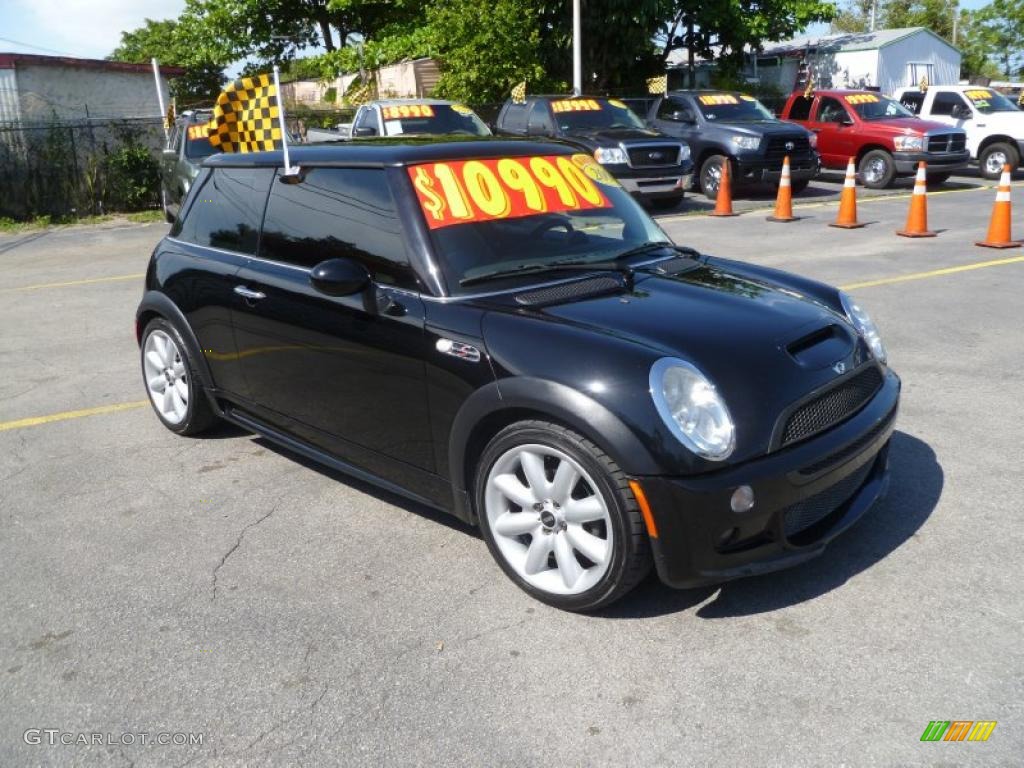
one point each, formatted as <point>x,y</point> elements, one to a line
<point>222,586</point>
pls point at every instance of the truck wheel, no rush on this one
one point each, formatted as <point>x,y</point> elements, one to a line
<point>877,169</point>
<point>559,517</point>
<point>711,175</point>
<point>798,185</point>
<point>994,157</point>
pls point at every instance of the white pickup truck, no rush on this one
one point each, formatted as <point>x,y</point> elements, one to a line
<point>402,117</point>
<point>994,125</point>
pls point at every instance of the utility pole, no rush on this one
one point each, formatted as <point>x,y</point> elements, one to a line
<point>577,50</point>
<point>874,13</point>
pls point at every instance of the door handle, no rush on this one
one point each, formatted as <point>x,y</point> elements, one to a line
<point>248,293</point>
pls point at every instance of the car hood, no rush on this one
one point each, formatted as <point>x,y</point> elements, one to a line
<point>903,126</point>
<point>763,128</point>
<point>613,136</point>
<point>764,345</point>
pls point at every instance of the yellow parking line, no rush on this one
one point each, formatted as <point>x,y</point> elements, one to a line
<point>65,415</point>
<point>932,273</point>
<point>112,279</point>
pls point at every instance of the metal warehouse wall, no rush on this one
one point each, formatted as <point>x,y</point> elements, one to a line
<point>76,93</point>
<point>920,47</point>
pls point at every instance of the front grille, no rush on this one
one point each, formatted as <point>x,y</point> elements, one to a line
<point>832,407</point>
<point>806,513</point>
<point>776,148</point>
<point>568,291</point>
<point>653,156</point>
<point>851,449</point>
<point>947,142</point>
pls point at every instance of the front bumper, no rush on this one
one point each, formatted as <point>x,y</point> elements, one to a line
<point>756,170</point>
<point>906,162</point>
<point>665,181</point>
<point>702,541</point>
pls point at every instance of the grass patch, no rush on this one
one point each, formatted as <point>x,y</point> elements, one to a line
<point>10,226</point>
<point>146,217</point>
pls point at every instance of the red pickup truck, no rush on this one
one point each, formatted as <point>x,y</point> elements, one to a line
<point>886,139</point>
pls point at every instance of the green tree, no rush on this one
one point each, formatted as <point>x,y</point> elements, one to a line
<point>936,15</point>
<point>992,39</point>
<point>164,41</point>
<point>854,17</point>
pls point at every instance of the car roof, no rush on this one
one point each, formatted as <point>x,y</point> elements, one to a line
<point>378,153</point>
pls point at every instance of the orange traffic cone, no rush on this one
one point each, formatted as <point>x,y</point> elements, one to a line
<point>917,219</point>
<point>723,203</point>
<point>847,218</point>
<point>784,200</point>
<point>999,226</point>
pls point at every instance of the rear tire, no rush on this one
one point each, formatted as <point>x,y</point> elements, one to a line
<point>877,169</point>
<point>169,374</point>
<point>559,517</point>
<point>994,156</point>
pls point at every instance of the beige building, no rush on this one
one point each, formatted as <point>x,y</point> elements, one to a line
<point>412,79</point>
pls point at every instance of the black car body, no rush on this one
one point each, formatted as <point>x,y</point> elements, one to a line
<point>327,312</point>
<point>725,124</point>
<point>648,163</point>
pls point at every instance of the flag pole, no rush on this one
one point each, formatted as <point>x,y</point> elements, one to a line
<point>280,122</point>
<point>160,97</point>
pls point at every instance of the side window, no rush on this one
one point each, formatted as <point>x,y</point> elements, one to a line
<point>538,120</point>
<point>336,212</point>
<point>367,119</point>
<point>515,118</point>
<point>944,102</point>
<point>668,107</point>
<point>912,100</point>
<point>226,212</point>
<point>830,111</point>
<point>800,109</point>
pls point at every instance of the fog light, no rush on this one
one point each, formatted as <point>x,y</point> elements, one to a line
<point>728,537</point>
<point>742,499</point>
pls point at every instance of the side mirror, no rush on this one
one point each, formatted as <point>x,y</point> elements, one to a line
<point>339,277</point>
<point>683,116</point>
<point>363,131</point>
<point>846,120</point>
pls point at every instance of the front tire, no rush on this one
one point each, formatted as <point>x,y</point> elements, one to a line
<point>559,517</point>
<point>798,185</point>
<point>171,381</point>
<point>877,169</point>
<point>994,157</point>
<point>711,175</point>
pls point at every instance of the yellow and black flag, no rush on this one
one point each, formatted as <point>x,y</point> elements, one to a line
<point>519,93</point>
<point>657,86</point>
<point>246,117</point>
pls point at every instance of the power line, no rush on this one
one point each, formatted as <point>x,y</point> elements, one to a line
<point>36,47</point>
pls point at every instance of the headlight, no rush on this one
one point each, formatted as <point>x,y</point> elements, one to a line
<point>685,153</point>
<point>746,142</point>
<point>692,409</point>
<point>864,325</point>
<point>610,156</point>
<point>909,143</point>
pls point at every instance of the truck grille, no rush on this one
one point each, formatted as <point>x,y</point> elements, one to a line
<point>653,156</point>
<point>832,407</point>
<point>947,142</point>
<point>776,148</point>
<point>804,514</point>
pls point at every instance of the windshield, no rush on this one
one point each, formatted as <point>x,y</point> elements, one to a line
<point>582,115</point>
<point>872,106</point>
<point>492,216</point>
<point>987,102</point>
<point>197,142</point>
<point>731,108</point>
<point>433,119</point>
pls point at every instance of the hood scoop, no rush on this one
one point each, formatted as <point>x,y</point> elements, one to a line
<point>577,289</point>
<point>821,347</point>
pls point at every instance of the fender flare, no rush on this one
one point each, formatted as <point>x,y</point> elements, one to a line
<point>559,402</point>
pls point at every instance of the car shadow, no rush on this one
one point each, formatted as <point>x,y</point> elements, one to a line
<point>915,489</point>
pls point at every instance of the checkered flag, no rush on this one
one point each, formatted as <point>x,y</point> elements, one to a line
<point>519,93</point>
<point>245,117</point>
<point>657,85</point>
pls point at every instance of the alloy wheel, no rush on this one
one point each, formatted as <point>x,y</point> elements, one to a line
<point>166,376</point>
<point>994,162</point>
<point>874,171</point>
<point>549,521</point>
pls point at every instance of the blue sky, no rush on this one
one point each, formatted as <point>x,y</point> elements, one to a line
<point>92,28</point>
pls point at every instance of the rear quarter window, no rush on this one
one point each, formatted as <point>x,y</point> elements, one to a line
<point>514,119</point>
<point>337,212</point>
<point>225,211</point>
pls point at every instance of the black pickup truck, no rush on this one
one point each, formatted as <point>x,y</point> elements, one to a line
<point>648,164</point>
<point>722,124</point>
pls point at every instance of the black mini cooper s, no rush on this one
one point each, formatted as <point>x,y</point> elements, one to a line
<point>495,328</point>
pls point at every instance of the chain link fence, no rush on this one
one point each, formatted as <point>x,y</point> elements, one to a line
<point>66,169</point>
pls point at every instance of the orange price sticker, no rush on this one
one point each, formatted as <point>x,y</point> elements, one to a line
<point>862,98</point>
<point>978,95</point>
<point>408,110</point>
<point>465,191</point>
<point>576,105</point>
<point>718,98</point>
<point>201,131</point>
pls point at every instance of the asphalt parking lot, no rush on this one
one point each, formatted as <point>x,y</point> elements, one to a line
<point>219,586</point>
